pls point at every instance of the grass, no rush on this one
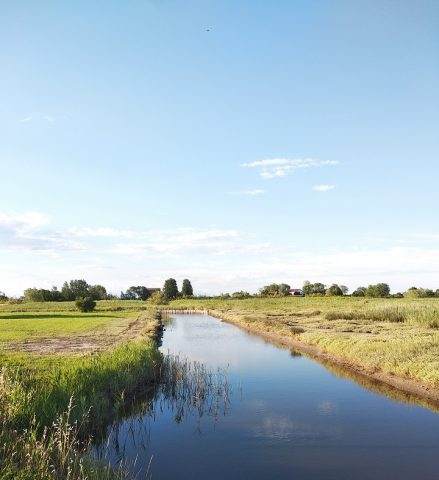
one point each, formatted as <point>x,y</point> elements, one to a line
<point>28,326</point>
<point>393,336</point>
<point>50,402</point>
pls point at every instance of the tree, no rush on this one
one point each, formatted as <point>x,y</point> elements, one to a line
<point>136,293</point>
<point>380,290</point>
<point>334,291</point>
<point>313,288</point>
<point>170,289</point>
<point>42,295</point>
<point>85,304</point>
<point>98,292</point>
<point>344,289</point>
<point>74,289</point>
<point>186,288</point>
<point>359,292</point>
<point>3,297</point>
<point>275,290</point>
<point>415,292</point>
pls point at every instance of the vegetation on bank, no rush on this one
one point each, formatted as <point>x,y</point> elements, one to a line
<point>50,404</point>
<point>398,336</point>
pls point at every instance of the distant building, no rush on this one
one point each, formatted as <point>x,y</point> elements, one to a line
<point>296,292</point>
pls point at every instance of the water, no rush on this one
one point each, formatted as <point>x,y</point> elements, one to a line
<point>287,417</point>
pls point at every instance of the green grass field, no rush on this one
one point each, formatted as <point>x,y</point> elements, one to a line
<point>27,326</point>
<point>103,360</point>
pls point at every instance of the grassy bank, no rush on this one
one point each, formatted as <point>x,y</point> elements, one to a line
<point>52,401</point>
<point>393,337</point>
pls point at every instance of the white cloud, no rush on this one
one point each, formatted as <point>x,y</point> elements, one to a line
<point>281,167</point>
<point>250,192</point>
<point>323,188</point>
<point>26,119</point>
<point>35,253</point>
<point>23,221</point>
<point>104,232</point>
<point>29,232</point>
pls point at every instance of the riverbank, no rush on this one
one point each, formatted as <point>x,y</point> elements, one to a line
<point>392,341</point>
<point>53,400</point>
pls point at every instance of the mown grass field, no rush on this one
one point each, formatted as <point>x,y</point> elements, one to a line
<point>394,336</point>
<point>101,362</point>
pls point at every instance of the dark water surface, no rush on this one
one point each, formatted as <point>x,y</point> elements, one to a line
<point>288,417</point>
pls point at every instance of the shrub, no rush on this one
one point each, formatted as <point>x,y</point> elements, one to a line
<point>85,304</point>
<point>158,298</point>
<point>242,294</point>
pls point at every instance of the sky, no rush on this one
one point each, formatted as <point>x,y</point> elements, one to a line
<point>235,143</point>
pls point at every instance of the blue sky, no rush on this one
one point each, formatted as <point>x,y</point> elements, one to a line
<point>234,143</point>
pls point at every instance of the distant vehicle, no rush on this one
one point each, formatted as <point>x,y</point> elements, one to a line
<point>296,292</point>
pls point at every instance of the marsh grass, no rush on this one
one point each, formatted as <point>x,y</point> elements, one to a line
<point>425,316</point>
<point>186,386</point>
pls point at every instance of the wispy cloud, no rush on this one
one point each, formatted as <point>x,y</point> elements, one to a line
<point>30,232</point>
<point>252,192</point>
<point>217,259</point>
<point>281,167</point>
<point>38,116</point>
<point>323,187</point>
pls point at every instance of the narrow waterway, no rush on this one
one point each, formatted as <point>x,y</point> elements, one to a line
<point>285,417</point>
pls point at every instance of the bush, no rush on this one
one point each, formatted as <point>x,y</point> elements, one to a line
<point>158,298</point>
<point>85,304</point>
<point>242,294</point>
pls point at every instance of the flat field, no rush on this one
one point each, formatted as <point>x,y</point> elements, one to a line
<point>50,327</point>
<point>59,367</point>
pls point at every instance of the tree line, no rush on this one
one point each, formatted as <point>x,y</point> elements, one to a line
<point>378,290</point>
<point>79,289</point>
